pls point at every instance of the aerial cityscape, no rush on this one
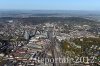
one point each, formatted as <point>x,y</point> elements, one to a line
<point>43,35</point>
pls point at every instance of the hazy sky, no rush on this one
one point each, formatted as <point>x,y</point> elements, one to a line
<point>51,4</point>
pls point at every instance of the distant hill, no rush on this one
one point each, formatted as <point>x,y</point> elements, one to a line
<point>38,20</point>
<point>28,13</point>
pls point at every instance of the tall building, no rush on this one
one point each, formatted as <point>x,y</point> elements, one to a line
<point>26,35</point>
